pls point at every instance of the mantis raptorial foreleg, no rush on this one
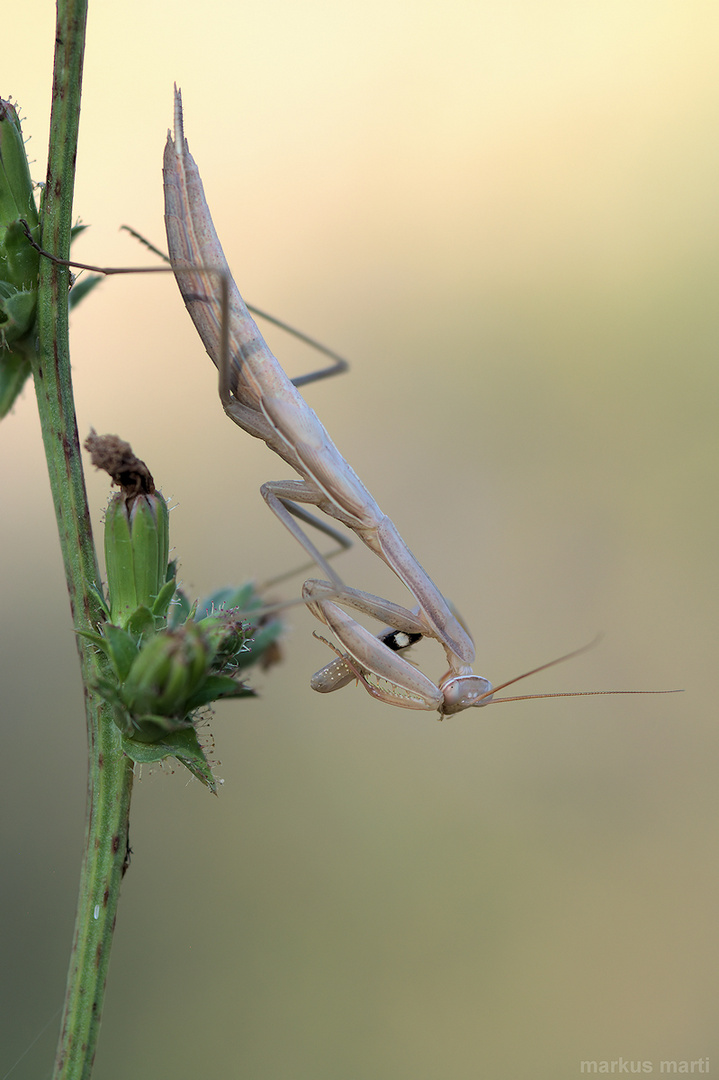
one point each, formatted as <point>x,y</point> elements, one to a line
<point>367,655</point>
<point>257,395</point>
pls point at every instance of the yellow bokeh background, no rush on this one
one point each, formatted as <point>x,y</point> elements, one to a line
<point>505,215</point>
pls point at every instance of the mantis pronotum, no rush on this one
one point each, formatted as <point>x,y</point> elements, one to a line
<point>258,396</point>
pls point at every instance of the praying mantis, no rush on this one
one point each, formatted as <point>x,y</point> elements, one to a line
<point>260,398</point>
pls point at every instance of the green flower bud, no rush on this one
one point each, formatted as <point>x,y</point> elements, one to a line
<point>137,545</point>
<point>247,641</point>
<point>225,635</point>
<point>16,191</point>
<point>19,261</point>
<point>165,675</point>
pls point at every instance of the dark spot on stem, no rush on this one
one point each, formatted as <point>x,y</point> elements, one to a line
<point>128,854</point>
<point>115,844</point>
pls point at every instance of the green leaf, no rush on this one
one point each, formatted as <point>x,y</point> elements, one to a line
<point>215,687</point>
<point>189,753</point>
<point>17,312</point>
<point>142,621</point>
<point>183,745</point>
<point>229,598</point>
<point>152,728</point>
<point>76,231</point>
<point>96,639</point>
<point>180,610</point>
<point>14,370</point>
<point>82,287</point>
<point>164,599</point>
<point>256,643</point>
<point>100,597</point>
<point>121,649</point>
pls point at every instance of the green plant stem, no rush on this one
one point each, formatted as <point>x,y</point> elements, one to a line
<point>110,773</point>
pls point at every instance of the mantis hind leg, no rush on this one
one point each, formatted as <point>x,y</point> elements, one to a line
<point>338,365</point>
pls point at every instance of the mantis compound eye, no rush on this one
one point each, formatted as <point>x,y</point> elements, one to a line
<point>462,691</point>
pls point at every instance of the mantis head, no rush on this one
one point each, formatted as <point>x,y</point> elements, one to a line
<point>463,691</point>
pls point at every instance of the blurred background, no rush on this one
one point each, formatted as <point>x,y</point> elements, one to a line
<point>505,215</point>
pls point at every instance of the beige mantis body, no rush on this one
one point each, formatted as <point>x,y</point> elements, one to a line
<point>258,396</point>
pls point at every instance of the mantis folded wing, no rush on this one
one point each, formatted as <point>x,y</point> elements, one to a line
<point>258,396</point>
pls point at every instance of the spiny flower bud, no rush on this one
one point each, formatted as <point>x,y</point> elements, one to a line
<point>163,663</point>
<point>19,260</point>
<point>225,633</point>
<point>166,673</point>
<point>16,191</point>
